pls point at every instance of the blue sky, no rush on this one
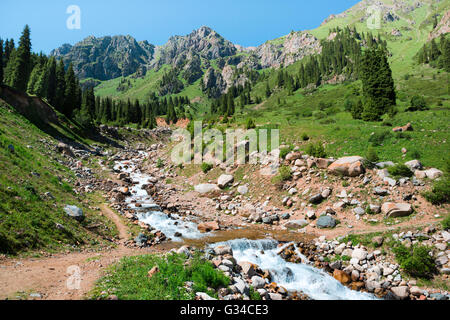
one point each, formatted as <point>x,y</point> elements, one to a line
<point>244,22</point>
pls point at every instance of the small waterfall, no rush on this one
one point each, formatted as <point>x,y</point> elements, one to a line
<point>314,282</point>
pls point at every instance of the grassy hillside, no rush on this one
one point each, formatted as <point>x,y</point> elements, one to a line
<point>414,26</point>
<point>35,187</point>
<point>301,112</point>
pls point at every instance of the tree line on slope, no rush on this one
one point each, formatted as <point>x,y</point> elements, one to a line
<point>48,78</point>
<point>346,52</point>
<point>436,54</point>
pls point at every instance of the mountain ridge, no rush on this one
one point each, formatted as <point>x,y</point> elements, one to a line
<point>205,54</point>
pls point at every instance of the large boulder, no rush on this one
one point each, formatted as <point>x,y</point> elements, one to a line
<point>401,292</point>
<point>407,127</point>
<point>341,276</point>
<point>393,210</point>
<point>225,180</point>
<point>222,250</point>
<point>208,226</point>
<point>206,188</point>
<point>248,268</point>
<point>326,222</point>
<point>414,165</point>
<point>74,212</point>
<point>347,166</point>
<point>242,190</point>
<point>65,149</point>
<point>296,224</point>
<point>359,254</point>
<point>323,163</point>
<point>433,173</point>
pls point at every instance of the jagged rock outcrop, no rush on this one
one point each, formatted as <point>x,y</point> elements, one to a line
<point>442,27</point>
<point>286,50</point>
<point>204,42</point>
<point>107,57</point>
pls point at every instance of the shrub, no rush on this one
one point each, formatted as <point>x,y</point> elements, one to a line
<point>306,113</point>
<point>440,193</point>
<point>316,150</point>
<point>159,163</point>
<point>418,103</point>
<point>414,154</point>
<point>400,170</point>
<point>319,115</point>
<point>254,295</point>
<point>324,105</point>
<point>378,138</point>
<point>284,152</point>
<point>348,105</point>
<point>327,121</point>
<point>372,155</point>
<point>357,110</point>
<point>250,124</point>
<point>284,173</point>
<point>446,222</point>
<point>415,261</point>
<point>206,167</point>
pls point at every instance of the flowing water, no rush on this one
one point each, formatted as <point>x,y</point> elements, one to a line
<point>314,282</point>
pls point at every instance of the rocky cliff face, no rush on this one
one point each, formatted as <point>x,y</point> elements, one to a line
<point>442,27</point>
<point>287,50</point>
<point>111,57</point>
<point>203,42</point>
<point>107,57</point>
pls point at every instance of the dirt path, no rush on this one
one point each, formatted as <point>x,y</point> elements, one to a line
<point>49,276</point>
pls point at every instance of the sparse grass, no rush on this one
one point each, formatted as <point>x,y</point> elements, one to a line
<point>28,217</point>
<point>128,279</point>
<point>440,192</point>
<point>284,173</point>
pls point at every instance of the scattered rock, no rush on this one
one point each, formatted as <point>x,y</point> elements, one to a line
<point>206,188</point>
<point>225,180</point>
<point>347,166</point>
<point>208,226</point>
<point>326,222</point>
<point>74,212</point>
<point>394,210</point>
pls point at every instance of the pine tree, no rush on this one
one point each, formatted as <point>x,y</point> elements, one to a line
<point>35,76</point>
<point>377,85</point>
<point>230,105</point>
<point>446,55</point>
<point>51,80</point>
<point>9,49</point>
<point>268,92</point>
<point>59,99</point>
<point>21,65</point>
<point>1,61</point>
<point>71,100</point>
<point>434,52</point>
<point>357,110</point>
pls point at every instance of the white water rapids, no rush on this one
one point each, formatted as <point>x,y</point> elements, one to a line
<point>314,282</point>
